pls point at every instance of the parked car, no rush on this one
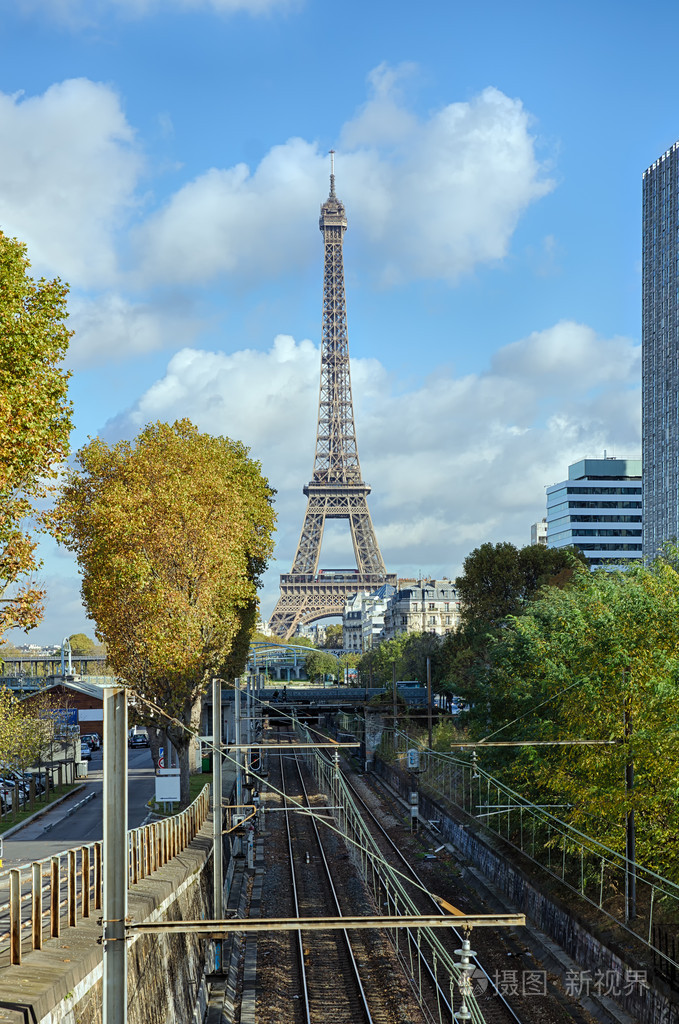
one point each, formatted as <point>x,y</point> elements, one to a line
<point>139,739</point>
<point>12,777</point>
<point>93,739</point>
<point>7,794</point>
<point>85,751</point>
<point>40,781</point>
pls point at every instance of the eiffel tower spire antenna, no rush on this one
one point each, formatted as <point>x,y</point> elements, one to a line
<point>332,174</point>
<point>336,489</point>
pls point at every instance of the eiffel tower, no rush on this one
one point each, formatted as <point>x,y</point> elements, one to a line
<point>336,490</point>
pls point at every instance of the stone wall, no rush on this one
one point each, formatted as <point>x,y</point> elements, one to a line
<point>656,1004</point>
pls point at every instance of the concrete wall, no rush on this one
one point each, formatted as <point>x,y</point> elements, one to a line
<point>62,983</point>
<point>657,1004</point>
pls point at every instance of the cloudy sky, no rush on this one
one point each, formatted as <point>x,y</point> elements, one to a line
<point>168,159</point>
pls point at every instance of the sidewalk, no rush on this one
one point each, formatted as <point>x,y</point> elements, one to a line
<point>34,826</point>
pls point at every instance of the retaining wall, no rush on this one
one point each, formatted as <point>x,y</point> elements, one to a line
<point>655,1004</point>
<point>62,983</point>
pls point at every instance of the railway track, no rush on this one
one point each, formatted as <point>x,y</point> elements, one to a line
<point>339,977</point>
<point>495,951</point>
<point>495,1007</point>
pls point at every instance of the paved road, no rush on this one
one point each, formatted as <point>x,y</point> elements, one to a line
<point>86,825</point>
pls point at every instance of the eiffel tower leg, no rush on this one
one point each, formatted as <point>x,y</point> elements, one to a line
<point>302,601</point>
<point>366,550</point>
<point>310,539</point>
<point>287,615</point>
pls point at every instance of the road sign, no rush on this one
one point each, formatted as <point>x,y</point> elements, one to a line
<point>168,786</point>
<point>161,757</point>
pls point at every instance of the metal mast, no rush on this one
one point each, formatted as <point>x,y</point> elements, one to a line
<point>336,489</point>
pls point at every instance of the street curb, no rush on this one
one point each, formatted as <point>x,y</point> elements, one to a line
<point>39,814</point>
<point>70,811</point>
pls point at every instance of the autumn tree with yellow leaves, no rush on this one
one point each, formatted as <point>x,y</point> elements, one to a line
<point>172,533</point>
<point>35,422</point>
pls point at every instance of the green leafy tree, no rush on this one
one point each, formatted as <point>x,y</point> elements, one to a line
<point>417,647</point>
<point>498,579</point>
<point>377,665</point>
<point>300,641</point>
<point>581,662</point>
<point>82,645</point>
<point>319,664</point>
<point>9,651</point>
<point>26,729</point>
<point>172,533</point>
<point>347,662</point>
<point>35,422</point>
<point>334,636</point>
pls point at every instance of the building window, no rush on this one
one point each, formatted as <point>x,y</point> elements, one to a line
<point>447,620</point>
<point>446,607</point>
<point>432,620</point>
<point>431,606</point>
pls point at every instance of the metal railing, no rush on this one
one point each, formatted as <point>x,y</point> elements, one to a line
<point>420,948</point>
<point>598,874</point>
<point>40,894</point>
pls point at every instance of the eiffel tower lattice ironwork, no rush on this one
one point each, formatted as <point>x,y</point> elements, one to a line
<point>336,490</point>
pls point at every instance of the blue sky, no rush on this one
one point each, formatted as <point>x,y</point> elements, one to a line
<point>168,160</point>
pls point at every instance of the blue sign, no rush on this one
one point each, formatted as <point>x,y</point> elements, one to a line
<point>63,716</point>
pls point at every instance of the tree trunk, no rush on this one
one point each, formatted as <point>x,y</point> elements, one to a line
<point>181,741</point>
<point>155,742</point>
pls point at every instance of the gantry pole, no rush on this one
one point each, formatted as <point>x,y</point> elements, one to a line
<point>115,855</point>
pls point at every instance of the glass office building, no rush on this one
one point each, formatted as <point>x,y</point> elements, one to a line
<point>598,510</point>
<point>660,351</point>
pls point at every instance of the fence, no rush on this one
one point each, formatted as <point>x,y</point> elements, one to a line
<point>15,798</point>
<point>598,874</point>
<point>79,889</point>
<point>419,949</point>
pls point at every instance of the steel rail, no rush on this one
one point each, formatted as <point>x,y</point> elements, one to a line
<point>411,871</point>
<point>351,811</point>
<point>347,940</point>
<point>300,944</point>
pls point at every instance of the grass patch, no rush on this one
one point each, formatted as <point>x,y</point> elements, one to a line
<point>10,819</point>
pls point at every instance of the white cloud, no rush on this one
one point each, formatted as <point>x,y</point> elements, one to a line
<point>109,328</point>
<point>67,177</point>
<point>452,463</point>
<point>571,353</point>
<point>85,13</point>
<point>237,223</point>
<point>426,197</point>
<point>429,197</point>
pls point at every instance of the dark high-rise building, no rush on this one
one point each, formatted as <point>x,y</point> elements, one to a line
<point>660,351</point>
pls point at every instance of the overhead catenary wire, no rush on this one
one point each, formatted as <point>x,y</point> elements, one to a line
<point>299,805</point>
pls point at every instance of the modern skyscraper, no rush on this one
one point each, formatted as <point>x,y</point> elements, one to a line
<point>660,351</point>
<point>598,510</point>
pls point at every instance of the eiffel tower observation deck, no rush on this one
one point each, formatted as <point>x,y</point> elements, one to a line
<point>336,489</point>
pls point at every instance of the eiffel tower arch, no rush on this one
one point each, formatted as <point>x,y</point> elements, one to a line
<point>336,489</point>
